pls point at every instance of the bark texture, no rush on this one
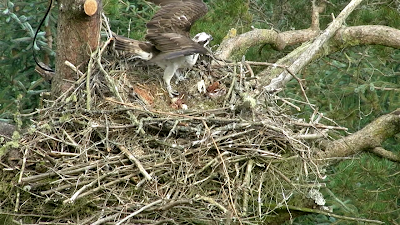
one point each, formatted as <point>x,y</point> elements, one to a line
<point>77,36</point>
<point>370,138</point>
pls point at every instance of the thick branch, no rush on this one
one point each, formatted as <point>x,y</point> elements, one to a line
<point>237,46</point>
<point>344,37</point>
<point>300,57</point>
<point>386,154</point>
<point>306,57</point>
<point>370,137</point>
<point>365,35</point>
<point>333,39</point>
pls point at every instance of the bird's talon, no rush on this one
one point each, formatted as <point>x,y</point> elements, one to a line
<point>179,78</point>
<point>173,94</point>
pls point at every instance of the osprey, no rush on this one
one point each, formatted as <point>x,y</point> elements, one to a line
<point>168,41</point>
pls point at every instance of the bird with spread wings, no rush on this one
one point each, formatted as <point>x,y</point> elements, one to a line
<point>168,40</point>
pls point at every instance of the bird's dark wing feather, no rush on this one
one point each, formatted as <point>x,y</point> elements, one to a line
<point>132,46</point>
<point>169,28</point>
<point>176,45</point>
<point>177,17</point>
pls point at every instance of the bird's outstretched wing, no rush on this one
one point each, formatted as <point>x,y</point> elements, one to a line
<point>169,28</point>
<point>176,45</point>
<point>139,49</point>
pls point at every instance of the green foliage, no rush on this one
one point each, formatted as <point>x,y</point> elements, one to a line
<point>379,14</point>
<point>369,186</point>
<point>18,77</point>
<point>281,15</point>
<point>355,87</point>
<point>129,18</point>
<point>222,16</point>
<point>366,187</point>
<point>5,219</point>
<point>352,87</point>
<point>313,220</point>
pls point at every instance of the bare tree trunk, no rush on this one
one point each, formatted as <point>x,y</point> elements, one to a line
<point>78,35</point>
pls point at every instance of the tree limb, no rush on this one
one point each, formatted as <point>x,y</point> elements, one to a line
<point>386,154</point>
<point>344,37</point>
<point>306,56</point>
<point>370,137</point>
<point>235,46</point>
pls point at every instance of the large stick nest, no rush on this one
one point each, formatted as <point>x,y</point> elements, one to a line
<point>125,154</point>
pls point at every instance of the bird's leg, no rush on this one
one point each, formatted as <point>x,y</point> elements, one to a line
<point>168,74</point>
<point>179,76</point>
<point>191,60</point>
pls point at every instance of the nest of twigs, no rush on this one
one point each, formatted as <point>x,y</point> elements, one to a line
<point>124,154</point>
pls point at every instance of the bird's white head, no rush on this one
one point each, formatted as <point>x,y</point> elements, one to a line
<point>203,38</point>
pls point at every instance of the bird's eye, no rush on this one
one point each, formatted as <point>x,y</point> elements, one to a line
<point>205,42</point>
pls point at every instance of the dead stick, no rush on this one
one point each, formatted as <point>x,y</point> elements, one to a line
<point>69,171</point>
<point>75,196</point>
<point>212,202</point>
<point>127,177</point>
<point>246,186</point>
<point>224,169</point>
<point>139,211</point>
<point>133,159</point>
<point>62,187</point>
<point>20,179</point>
<point>175,203</point>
